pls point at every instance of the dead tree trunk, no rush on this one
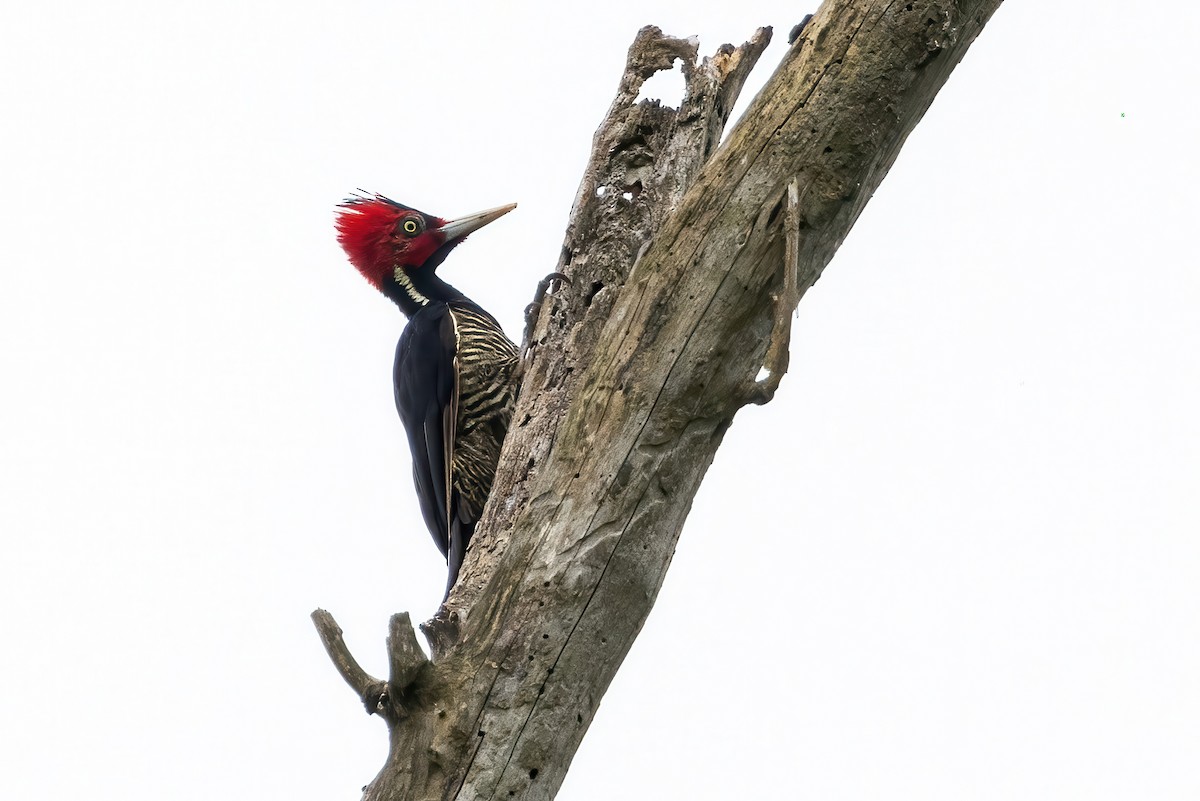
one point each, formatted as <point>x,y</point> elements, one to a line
<point>686,262</point>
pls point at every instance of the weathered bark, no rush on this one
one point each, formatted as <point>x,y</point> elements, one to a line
<point>681,289</point>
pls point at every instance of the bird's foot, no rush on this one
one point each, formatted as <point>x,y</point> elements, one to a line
<point>551,281</point>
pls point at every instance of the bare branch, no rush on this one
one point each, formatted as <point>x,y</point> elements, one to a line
<point>371,690</point>
<point>406,657</point>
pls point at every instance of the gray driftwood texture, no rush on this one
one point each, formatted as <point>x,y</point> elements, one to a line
<point>685,263</point>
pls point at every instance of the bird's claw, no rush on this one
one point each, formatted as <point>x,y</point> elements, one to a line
<point>539,296</point>
<point>545,285</point>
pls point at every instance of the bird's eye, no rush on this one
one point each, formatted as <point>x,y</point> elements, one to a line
<point>412,226</point>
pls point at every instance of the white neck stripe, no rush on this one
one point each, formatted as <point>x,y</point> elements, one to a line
<point>406,283</point>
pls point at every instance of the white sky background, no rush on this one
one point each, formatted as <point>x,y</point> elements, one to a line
<point>958,557</point>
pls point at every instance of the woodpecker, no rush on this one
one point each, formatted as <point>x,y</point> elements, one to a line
<point>455,372</point>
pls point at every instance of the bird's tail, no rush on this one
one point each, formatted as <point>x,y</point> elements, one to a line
<point>460,538</point>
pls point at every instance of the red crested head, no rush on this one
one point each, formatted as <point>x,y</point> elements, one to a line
<point>389,242</point>
<point>380,235</point>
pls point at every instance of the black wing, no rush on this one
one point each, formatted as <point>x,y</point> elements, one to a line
<point>455,377</point>
<point>426,393</point>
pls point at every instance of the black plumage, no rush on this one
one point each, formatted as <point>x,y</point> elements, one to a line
<point>455,372</point>
<point>455,381</point>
